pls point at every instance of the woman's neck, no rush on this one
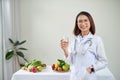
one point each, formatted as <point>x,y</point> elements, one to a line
<point>84,33</point>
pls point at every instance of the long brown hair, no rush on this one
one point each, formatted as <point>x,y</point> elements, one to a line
<point>77,31</point>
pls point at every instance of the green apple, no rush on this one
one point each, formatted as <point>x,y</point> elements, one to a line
<point>65,68</point>
<point>39,68</point>
<point>67,65</point>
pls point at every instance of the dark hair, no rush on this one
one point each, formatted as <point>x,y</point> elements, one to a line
<point>77,31</point>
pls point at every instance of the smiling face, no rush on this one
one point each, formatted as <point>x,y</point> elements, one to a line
<point>83,24</point>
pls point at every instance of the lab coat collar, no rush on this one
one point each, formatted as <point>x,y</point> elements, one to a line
<point>87,37</point>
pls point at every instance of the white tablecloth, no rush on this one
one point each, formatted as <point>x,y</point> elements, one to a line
<point>48,74</point>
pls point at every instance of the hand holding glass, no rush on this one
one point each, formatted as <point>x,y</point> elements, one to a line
<point>65,38</point>
<point>64,43</point>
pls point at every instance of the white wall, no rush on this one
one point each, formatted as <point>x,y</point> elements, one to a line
<point>43,22</point>
<point>0,46</point>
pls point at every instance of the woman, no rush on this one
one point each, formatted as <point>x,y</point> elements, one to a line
<point>86,51</point>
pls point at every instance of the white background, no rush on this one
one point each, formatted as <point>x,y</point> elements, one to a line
<point>0,44</point>
<point>44,22</point>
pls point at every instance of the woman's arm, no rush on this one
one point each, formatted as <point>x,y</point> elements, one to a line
<point>100,55</point>
<point>64,46</point>
<point>68,47</point>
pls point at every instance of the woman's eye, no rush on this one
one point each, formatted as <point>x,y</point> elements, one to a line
<point>80,21</point>
<point>85,20</point>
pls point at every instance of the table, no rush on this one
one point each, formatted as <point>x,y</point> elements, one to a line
<point>49,74</point>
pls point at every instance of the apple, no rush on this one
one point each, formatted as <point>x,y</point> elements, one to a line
<point>34,69</point>
<point>39,68</point>
<point>59,69</point>
<point>65,68</point>
<point>67,65</point>
<point>53,66</point>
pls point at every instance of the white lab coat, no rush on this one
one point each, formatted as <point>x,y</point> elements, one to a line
<point>84,52</point>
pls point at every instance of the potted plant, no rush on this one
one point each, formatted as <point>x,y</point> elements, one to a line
<point>16,51</point>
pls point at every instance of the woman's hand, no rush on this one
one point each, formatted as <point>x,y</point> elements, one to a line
<point>90,69</point>
<point>64,46</point>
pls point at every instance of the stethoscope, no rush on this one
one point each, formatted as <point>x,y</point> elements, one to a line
<point>84,49</point>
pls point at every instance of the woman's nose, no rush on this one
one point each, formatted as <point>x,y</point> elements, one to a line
<point>83,23</point>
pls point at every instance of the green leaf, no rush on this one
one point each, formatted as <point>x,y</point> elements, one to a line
<point>22,42</point>
<point>62,62</point>
<point>22,48</point>
<point>19,53</point>
<point>25,59</point>
<point>16,43</point>
<point>11,40</point>
<point>9,54</point>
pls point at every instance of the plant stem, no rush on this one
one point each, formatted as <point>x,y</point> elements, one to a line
<point>18,60</point>
<point>15,49</point>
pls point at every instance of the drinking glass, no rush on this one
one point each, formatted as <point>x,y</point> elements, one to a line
<point>65,38</point>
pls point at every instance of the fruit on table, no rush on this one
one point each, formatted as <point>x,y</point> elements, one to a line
<point>56,65</point>
<point>34,66</point>
<point>43,65</point>
<point>53,66</point>
<point>59,69</point>
<point>60,66</point>
<point>39,68</point>
<point>34,69</point>
<point>65,67</point>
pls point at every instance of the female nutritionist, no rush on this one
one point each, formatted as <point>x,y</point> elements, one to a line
<point>86,50</point>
